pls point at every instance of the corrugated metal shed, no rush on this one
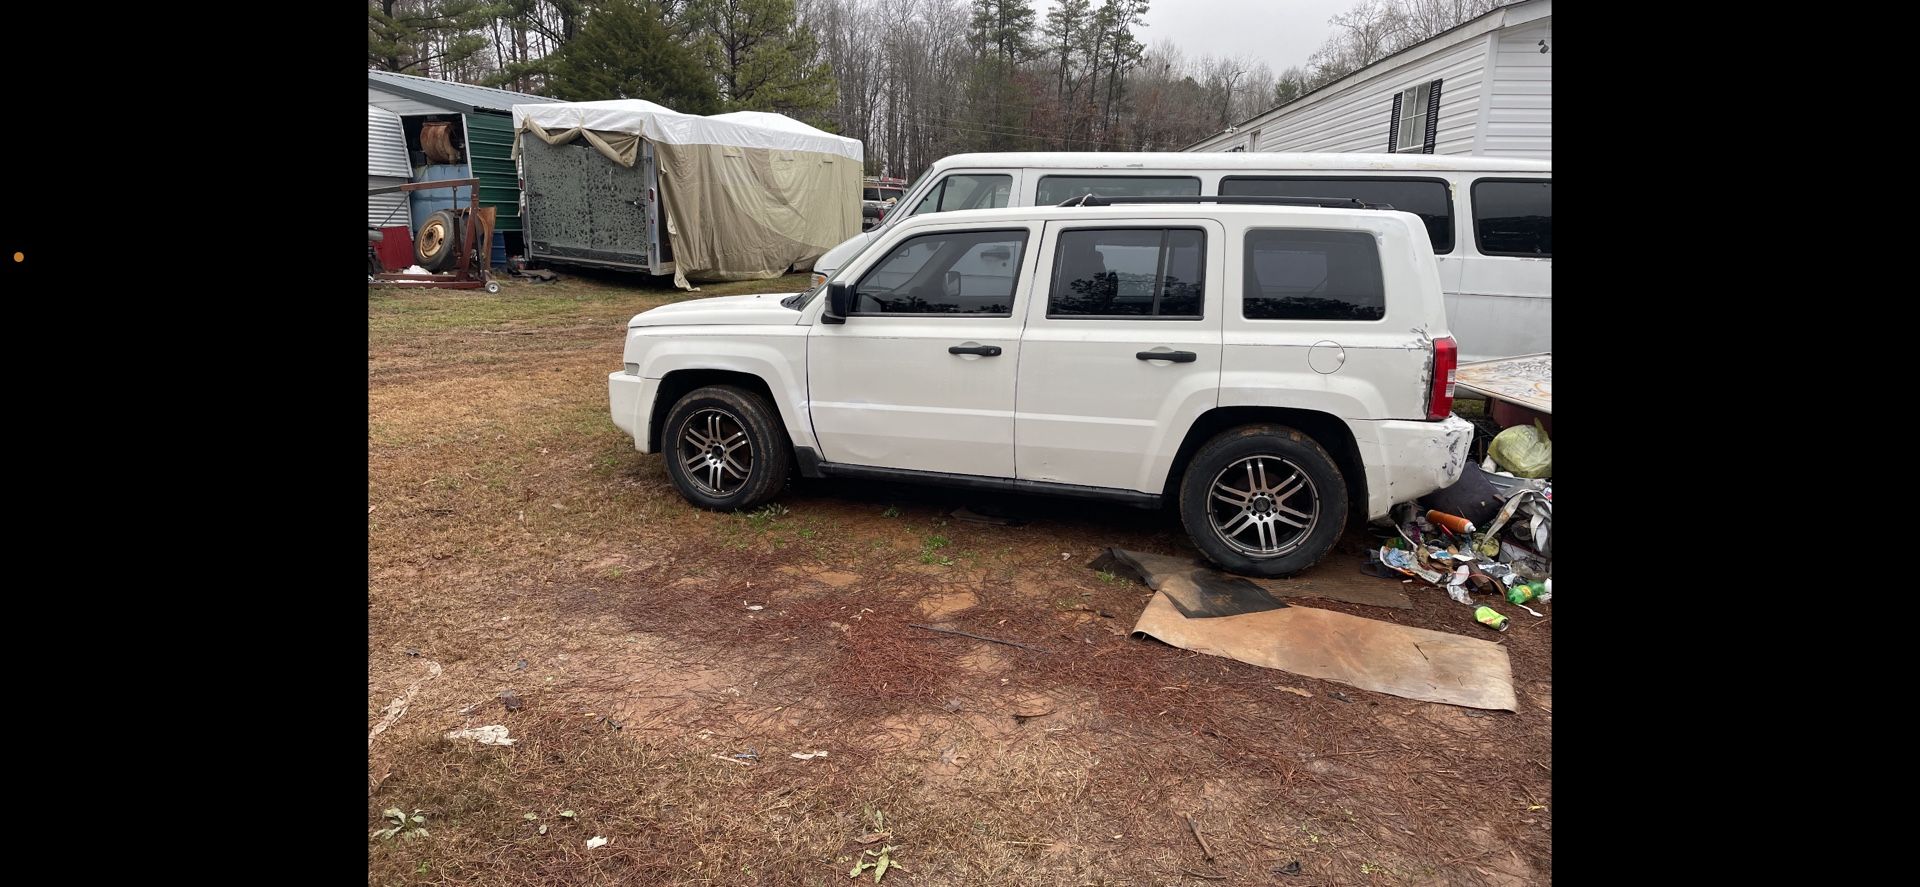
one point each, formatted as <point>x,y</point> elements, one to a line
<point>490,147</point>
<point>386,165</point>
<point>386,144</point>
<point>446,95</point>
<point>488,116</point>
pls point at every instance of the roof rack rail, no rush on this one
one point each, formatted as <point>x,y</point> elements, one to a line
<point>1251,199</point>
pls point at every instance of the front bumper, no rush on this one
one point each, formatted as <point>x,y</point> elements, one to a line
<point>630,399</point>
<point>1406,460</point>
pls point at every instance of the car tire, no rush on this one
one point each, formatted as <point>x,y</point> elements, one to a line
<point>1244,492</point>
<point>436,245</point>
<point>726,448</point>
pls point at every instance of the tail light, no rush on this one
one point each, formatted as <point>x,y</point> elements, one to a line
<point>881,217</point>
<point>1446,359</point>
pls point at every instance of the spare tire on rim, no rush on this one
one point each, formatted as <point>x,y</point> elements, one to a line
<point>436,246</point>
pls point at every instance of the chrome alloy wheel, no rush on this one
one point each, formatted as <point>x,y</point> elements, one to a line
<point>1263,506</point>
<point>716,452</point>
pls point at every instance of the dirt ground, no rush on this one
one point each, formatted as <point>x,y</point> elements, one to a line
<point>667,664</point>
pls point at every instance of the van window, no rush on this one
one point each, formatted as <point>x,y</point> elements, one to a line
<point>1312,275</point>
<point>1513,217</point>
<point>1054,189</point>
<point>1426,198</point>
<point>966,191</point>
<point>1129,272</point>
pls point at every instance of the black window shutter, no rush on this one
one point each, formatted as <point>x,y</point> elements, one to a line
<point>1393,126</point>
<point>1433,116</point>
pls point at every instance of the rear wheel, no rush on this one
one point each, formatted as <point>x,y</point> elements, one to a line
<point>1265,500</point>
<point>437,244</point>
<point>725,448</point>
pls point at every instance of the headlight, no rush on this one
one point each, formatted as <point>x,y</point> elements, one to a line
<point>816,280</point>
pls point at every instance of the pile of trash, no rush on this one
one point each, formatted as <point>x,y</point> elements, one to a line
<point>1489,533</point>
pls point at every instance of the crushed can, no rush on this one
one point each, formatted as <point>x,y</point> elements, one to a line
<point>1488,617</point>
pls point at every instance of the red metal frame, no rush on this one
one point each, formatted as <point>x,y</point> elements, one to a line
<point>463,277</point>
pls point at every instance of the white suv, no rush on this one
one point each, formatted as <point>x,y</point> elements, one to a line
<point>1261,365</point>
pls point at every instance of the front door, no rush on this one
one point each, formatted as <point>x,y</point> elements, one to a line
<point>1121,351</point>
<point>921,375</point>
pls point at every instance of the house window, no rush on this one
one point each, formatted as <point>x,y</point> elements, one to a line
<point>1413,118</point>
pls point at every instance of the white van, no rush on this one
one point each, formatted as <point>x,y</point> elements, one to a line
<point>1490,218</point>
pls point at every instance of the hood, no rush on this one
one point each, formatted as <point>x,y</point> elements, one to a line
<point>838,257</point>
<point>758,310</point>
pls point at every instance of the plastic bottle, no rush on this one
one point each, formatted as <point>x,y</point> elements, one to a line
<point>1454,523</point>
<point>1523,592</point>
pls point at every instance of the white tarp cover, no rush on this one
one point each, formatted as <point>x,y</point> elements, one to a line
<point>746,194</point>
<point>663,125</point>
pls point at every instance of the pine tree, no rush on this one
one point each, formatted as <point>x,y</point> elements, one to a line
<point>760,58</point>
<point>625,51</point>
<point>424,37</point>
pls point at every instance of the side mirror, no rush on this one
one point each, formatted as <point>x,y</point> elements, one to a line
<point>839,303</point>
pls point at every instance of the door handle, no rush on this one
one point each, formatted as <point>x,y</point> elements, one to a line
<point>1173,356</point>
<point>982,350</point>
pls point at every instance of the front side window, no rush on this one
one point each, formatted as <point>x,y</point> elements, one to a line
<point>1129,272</point>
<point>1430,199</point>
<point>948,272</point>
<point>966,191</point>
<point>1054,189</point>
<point>1413,118</point>
<point>1513,217</point>
<point>1312,275</point>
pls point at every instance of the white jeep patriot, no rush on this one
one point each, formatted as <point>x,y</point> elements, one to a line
<point>1263,366</point>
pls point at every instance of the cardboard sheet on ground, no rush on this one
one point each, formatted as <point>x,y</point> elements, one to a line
<point>1210,612</point>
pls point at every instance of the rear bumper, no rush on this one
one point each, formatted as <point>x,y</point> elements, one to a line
<point>1406,460</point>
<point>629,398</point>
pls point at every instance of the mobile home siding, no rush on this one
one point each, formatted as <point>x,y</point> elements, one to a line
<point>1495,97</point>
<point>1357,119</point>
<point>1520,116</point>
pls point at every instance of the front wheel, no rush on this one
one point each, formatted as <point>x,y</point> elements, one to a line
<point>725,448</point>
<point>1265,500</point>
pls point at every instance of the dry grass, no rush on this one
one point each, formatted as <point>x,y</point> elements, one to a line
<point>517,540</point>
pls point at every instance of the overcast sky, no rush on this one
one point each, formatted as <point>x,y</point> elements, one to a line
<point>1281,33</point>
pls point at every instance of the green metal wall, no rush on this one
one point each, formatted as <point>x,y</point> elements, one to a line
<point>490,147</point>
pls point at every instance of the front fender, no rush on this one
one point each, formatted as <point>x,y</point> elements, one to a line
<point>776,355</point>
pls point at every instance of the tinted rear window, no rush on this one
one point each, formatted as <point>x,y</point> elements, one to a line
<point>1054,189</point>
<point>1426,198</point>
<point>1129,272</point>
<point>1312,275</point>
<point>1513,218</point>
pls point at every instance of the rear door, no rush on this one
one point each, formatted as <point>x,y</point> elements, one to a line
<point>1095,405</point>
